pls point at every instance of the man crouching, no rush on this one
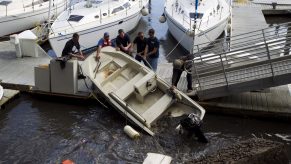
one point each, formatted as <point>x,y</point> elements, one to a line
<point>192,125</point>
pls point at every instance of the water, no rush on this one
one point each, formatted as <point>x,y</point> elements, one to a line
<point>37,129</point>
<point>42,130</point>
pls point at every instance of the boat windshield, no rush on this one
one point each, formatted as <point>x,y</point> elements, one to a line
<point>199,15</point>
<point>75,18</point>
<point>117,9</point>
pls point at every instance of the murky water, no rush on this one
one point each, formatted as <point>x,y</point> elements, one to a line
<point>42,130</point>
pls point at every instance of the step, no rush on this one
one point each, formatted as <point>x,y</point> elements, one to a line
<point>128,88</point>
<point>157,109</point>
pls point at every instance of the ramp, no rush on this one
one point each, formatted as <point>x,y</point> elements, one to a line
<point>256,60</point>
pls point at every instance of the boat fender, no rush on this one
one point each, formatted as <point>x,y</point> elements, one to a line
<point>133,134</point>
<point>162,18</point>
<point>190,33</point>
<point>144,11</point>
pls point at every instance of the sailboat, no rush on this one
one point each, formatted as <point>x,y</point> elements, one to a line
<point>16,15</point>
<point>91,19</point>
<point>196,22</point>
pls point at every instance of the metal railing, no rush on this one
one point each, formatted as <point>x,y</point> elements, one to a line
<point>247,57</point>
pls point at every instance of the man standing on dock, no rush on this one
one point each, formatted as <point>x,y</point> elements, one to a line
<point>69,50</point>
<point>183,64</point>
<point>152,50</point>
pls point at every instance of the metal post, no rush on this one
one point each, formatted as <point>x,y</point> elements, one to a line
<point>49,15</point>
<point>197,76</point>
<point>223,70</point>
<point>6,10</point>
<point>268,53</point>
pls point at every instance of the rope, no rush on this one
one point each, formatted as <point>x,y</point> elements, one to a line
<point>91,91</point>
<point>177,44</point>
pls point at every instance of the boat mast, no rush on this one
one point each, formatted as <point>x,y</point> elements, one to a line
<point>49,15</point>
<point>194,26</point>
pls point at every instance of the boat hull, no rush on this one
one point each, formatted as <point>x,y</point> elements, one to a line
<point>136,91</point>
<point>179,32</point>
<point>90,36</point>
<point>19,22</point>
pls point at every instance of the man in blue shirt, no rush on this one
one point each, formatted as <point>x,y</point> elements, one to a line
<point>152,50</point>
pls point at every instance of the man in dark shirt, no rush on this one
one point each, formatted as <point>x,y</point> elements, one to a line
<point>140,41</point>
<point>152,50</point>
<point>185,63</point>
<point>68,50</point>
<point>123,42</point>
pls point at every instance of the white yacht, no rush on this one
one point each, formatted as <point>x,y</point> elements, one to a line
<point>16,15</point>
<point>211,20</point>
<point>92,18</point>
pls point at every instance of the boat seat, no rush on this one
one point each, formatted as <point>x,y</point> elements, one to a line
<point>158,108</point>
<point>144,86</point>
<point>128,88</point>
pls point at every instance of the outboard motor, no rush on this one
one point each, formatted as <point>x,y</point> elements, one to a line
<point>192,125</point>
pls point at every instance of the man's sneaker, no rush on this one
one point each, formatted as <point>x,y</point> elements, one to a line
<point>81,76</point>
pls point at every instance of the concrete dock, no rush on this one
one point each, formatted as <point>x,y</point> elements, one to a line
<point>269,103</point>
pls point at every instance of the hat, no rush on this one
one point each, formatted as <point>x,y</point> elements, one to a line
<point>106,34</point>
<point>120,31</point>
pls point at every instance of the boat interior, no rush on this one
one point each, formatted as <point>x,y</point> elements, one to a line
<point>136,88</point>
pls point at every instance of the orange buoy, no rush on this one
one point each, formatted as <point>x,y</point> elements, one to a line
<point>67,161</point>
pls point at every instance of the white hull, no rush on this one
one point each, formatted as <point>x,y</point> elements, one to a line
<point>28,19</point>
<point>92,26</point>
<point>89,37</point>
<point>135,90</point>
<point>1,92</point>
<point>187,41</point>
<point>208,27</point>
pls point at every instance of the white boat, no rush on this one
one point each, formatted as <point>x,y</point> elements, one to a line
<point>211,21</point>
<point>16,15</point>
<point>1,92</point>
<point>92,18</point>
<point>135,90</point>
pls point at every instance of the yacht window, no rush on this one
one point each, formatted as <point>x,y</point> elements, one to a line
<point>5,3</point>
<point>199,15</point>
<point>75,18</point>
<point>104,14</point>
<point>96,2</point>
<point>96,16</point>
<point>126,5</point>
<point>117,9</point>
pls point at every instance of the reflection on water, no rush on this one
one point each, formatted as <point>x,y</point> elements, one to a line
<point>49,131</point>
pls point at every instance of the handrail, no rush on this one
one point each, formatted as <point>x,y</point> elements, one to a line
<point>258,54</point>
